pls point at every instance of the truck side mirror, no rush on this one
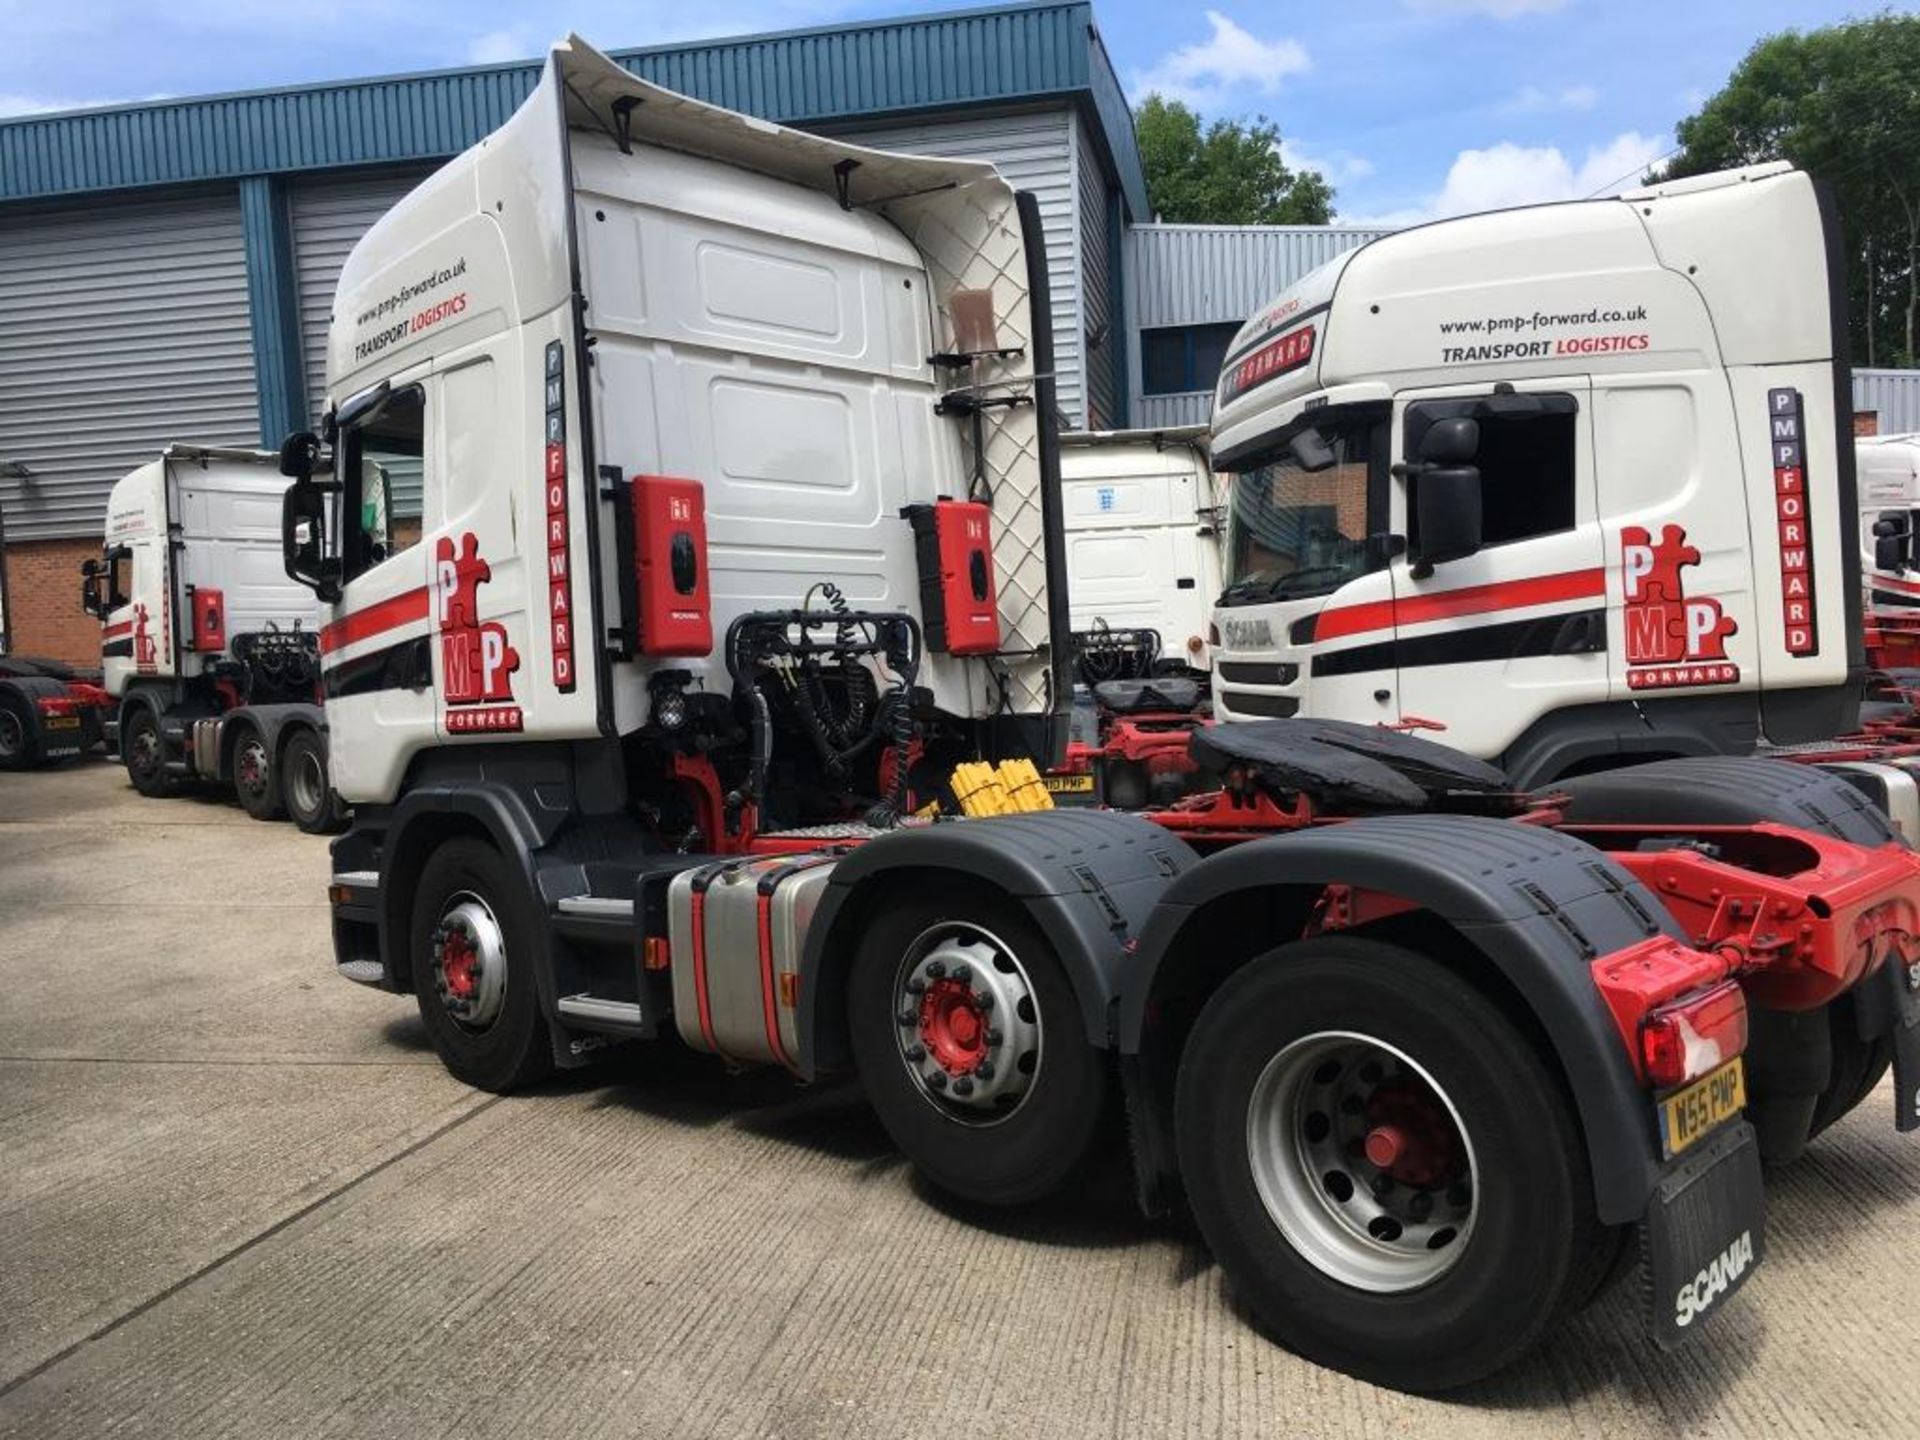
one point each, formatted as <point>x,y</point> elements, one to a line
<point>1892,543</point>
<point>300,455</point>
<point>303,540</point>
<point>91,599</point>
<point>1446,494</point>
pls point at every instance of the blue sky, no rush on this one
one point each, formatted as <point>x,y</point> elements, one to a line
<point>1411,108</point>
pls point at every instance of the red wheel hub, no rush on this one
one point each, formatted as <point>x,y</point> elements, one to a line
<point>953,1027</point>
<point>1411,1136</point>
<point>458,961</point>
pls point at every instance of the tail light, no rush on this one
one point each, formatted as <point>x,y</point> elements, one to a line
<point>55,705</point>
<point>1685,1038</point>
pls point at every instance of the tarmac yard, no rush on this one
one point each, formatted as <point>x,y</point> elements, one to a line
<point>239,1196</point>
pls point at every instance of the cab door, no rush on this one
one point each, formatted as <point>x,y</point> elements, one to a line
<point>1489,643</point>
<point>376,650</point>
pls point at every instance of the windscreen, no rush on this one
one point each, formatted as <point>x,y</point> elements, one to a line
<point>1299,518</point>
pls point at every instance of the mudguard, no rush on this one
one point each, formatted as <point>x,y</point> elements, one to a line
<point>1089,879</point>
<point>1727,790</point>
<point>1540,905</point>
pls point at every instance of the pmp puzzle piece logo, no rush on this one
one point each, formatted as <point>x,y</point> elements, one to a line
<point>477,663</point>
<point>1663,626</point>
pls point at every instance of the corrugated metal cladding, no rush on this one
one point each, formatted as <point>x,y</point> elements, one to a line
<point>122,328</point>
<point>329,216</point>
<point>1206,274</point>
<point>1034,151</point>
<point>998,55</point>
<point>1894,394</point>
<point>1102,340</point>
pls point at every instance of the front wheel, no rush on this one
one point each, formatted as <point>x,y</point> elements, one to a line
<point>472,948</point>
<point>971,1047</point>
<point>256,779</point>
<point>1385,1169</point>
<point>17,748</point>
<point>145,751</point>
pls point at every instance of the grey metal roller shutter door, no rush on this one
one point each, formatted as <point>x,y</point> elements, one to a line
<point>123,326</point>
<point>329,217</point>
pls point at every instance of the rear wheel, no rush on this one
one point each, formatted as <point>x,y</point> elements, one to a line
<point>145,752</point>
<point>1386,1171</point>
<point>309,796</point>
<point>472,948</point>
<point>971,1048</point>
<point>17,748</point>
<point>256,779</point>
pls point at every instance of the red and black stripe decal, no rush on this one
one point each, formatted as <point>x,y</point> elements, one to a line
<point>375,619</point>
<point>763,900</point>
<point>1583,632</point>
<point>1590,584</point>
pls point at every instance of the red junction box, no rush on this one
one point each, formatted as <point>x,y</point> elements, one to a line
<point>959,597</point>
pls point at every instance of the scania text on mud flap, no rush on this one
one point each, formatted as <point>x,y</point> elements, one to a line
<point>1407,1070</point>
<point>209,652</point>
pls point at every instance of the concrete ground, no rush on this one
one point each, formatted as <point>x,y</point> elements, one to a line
<point>238,1196</point>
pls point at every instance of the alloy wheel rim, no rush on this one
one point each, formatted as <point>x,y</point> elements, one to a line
<point>967,1023</point>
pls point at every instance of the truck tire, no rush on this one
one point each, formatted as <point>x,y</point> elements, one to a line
<point>256,779</point>
<point>309,797</point>
<point>145,751</point>
<point>471,940</point>
<point>1858,1067</point>
<point>971,1048</point>
<point>18,748</point>
<point>1385,1169</point>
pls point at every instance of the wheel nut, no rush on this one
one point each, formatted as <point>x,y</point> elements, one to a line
<point>984,1000</point>
<point>994,1037</point>
<point>1382,1186</point>
<point>1420,1206</point>
<point>963,1086</point>
<point>916,1053</point>
<point>908,1017</point>
<point>936,968</point>
<point>963,973</point>
<point>916,986</point>
<point>984,1070</point>
<point>937,1080</point>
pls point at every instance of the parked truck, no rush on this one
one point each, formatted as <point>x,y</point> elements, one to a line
<point>208,650</point>
<point>49,712</point>
<point>742,544</point>
<point>1889,478</point>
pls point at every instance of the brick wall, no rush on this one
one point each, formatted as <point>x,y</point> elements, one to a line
<point>1866,423</point>
<point>43,591</point>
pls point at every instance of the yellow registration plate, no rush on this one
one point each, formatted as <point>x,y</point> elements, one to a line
<point>63,722</point>
<point>1069,784</point>
<point>1695,1112</point>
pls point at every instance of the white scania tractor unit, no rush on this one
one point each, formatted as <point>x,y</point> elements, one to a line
<point>1888,467</point>
<point>742,555</point>
<point>1590,459</point>
<point>207,649</point>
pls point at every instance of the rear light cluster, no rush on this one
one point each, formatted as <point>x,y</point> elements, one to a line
<point>56,705</point>
<point>1677,1012</point>
<point>1685,1038</point>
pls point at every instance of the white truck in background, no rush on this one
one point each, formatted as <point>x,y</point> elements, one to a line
<point>1145,535</point>
<point>208,650</point>
<point>1889,478</point>
<point>1571,483</point>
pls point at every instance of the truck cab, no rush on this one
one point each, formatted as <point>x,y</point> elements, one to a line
<point>1558,455</point>
<point>1889,478</point>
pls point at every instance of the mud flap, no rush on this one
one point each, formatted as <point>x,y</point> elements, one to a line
<point>1704,1234</point>
<point>1889,1004</point>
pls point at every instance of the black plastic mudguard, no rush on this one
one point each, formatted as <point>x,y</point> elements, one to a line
<point>1727,790</point>
<point>1539,904</point>
<point>1090,879</point>
<point>1889,1004</point>
<point>1704,1235</point>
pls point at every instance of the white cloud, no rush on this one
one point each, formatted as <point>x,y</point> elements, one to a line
<point>1229,59</point>
<point>1497,9</point>
<point>1532,100</point>
<point>496,47</point>
<point>1507,174</point>
<point>1338,166</point>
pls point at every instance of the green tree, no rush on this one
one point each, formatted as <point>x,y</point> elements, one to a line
<point>1230,173</point>
<point>1842,103</point>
